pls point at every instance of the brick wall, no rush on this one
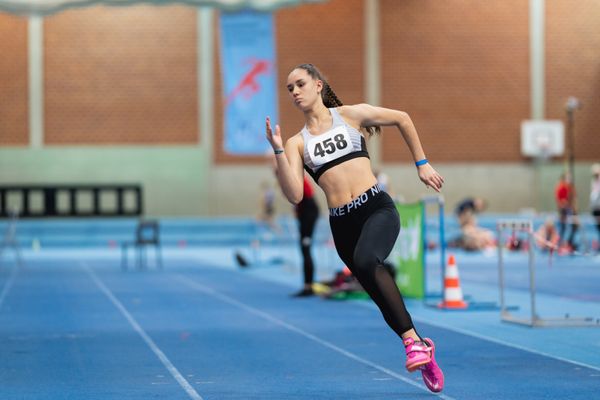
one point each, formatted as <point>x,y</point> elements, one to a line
<point>118,75</point>
<point>14,127</point>
<point>573,69</point>
<point>460,69</point>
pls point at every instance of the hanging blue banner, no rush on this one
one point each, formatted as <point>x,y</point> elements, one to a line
<point>248,71</point>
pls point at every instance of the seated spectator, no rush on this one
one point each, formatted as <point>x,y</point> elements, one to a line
<point>472,236</point>
<point>468,208</point>
<point>546,237</point>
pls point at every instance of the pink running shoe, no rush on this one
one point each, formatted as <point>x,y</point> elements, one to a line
<point>431,372</point>
<point>417,354</point>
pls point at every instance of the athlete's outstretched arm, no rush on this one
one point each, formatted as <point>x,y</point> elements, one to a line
<point>367,115</point>
<point>288,164</point>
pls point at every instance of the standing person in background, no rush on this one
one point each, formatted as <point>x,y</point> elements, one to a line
<point>266,216</point>
<point>266,213</point>
<point>307,214</point>
<point>364,221</point>
<point>384,183</point>
<point>565,196</point>
<point>595,198</point>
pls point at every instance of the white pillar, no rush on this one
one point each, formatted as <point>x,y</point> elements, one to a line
<point>537,77</point>
<point>206,78</point>
<point>372,64</point>
<point>206,101</point>
<point>35,40</point>
<point>537,57</point>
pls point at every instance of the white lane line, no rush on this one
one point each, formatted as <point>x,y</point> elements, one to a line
<point>470,333</point>
<point>229,300</point>
<point>161,356</point>
<point>493,340</point>
<point>8,285</point>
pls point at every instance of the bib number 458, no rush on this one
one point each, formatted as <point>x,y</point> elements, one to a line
<point>329,146</point>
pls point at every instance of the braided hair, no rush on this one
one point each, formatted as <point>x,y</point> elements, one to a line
<point>330,99</point>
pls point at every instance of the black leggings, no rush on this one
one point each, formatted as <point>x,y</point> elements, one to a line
<point>564,214</point>
<point>364,232</point>
<point>307,214</point>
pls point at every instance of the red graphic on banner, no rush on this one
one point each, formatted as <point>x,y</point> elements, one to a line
<point>248,85</point>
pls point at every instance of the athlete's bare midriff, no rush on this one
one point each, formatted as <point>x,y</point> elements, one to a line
<point>345,182</point>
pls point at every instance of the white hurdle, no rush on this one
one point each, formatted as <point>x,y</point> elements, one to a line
<point>535,320</point>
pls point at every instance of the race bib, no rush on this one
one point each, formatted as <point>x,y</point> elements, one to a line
<point>329,146</point>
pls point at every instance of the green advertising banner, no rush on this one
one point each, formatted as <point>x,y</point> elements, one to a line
<point>409,251</point>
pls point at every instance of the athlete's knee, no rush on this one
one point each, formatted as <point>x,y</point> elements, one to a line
<point>365,262</point>
<point>306,241</point>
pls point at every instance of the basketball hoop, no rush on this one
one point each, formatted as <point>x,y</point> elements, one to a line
<point>544,148</point>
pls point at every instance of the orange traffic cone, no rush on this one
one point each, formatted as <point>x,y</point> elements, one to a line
<point>453,296</point>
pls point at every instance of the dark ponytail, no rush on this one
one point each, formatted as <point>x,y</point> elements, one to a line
<point>330,99</point>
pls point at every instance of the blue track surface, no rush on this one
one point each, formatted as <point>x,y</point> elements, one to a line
<point>74,326</point>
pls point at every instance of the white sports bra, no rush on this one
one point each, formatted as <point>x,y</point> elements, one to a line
<point>340,143</point>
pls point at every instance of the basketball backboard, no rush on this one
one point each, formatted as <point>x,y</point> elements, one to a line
<point>542,138</point>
